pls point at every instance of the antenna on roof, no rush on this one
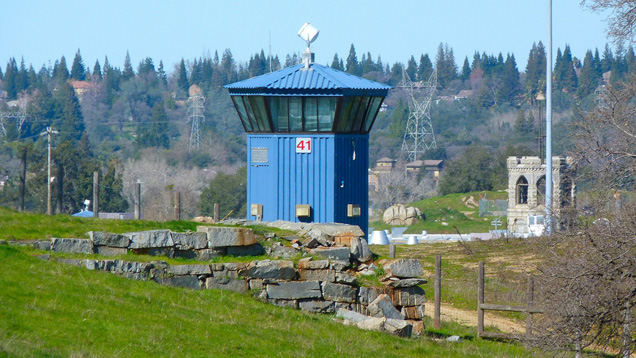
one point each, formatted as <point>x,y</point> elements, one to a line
<point>309,34</point>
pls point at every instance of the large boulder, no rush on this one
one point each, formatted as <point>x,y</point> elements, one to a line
<point>74,246</point>
<point>402,215</point>
<point>328,231</point>
<point>333,253</point>
<point>108,239</point>
<point>383,307</point>
<point>150,239</point>
<point>226,283</point>
<point>190,240</point>
<point>338,292</point>
<point>360,250</point>
<point>266,269</point>
<point>294,290</point>
<point>182,270</point>
<point>228,236</point>
<point>398,327</point>
<point>403,268</point>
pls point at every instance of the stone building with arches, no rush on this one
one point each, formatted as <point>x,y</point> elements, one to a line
<point>526,193</point>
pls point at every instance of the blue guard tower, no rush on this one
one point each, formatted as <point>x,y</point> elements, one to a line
<point>308,142</point>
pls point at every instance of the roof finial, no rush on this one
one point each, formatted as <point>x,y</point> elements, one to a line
<point>308,33</point>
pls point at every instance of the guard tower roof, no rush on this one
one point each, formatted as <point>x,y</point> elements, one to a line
<point>316,80</point>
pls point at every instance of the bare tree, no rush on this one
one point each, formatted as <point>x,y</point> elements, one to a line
<point>621,22</point>
<point>396,187</point>
<point>588,284</point>
<point>588,279</point>
<point>159,182</point>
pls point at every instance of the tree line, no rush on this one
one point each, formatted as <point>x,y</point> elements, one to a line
<point>125,110</point>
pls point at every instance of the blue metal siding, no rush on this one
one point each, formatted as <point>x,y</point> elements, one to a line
<point>328,178</point>
<point>353,173</point>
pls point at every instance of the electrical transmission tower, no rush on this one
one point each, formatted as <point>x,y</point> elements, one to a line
<point>418,135</point>
<point>19,117</point>
<point>196,106</point>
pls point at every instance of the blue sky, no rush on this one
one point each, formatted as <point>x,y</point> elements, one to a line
<point>43,31</point>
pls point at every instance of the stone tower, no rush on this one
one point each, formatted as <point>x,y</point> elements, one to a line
<point>526,193</point>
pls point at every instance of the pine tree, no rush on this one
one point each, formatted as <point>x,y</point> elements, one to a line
<point>9,82</point>
<point>69,120</point>
<point>352,66</point>
<point>368,65</point>
<point>21,81</point>
<point>111,188</point>
<point>564,72</point>
<point>425,68</point>
<point>61,73</point>
<point>535,72</point>
<point>465,76</point>
<point>411,68</point>
<point>335,63</point>
<point>608,59</point>
<point>161,74</point>
<point>228,66</point>
<point>78,70</point>
<point>510,83</point>
<point>588,79</point>
<point>445,65</point>
<point>128,72</point>
<point>97,70</point>
<point>160,126</point>
<point>182,77</point>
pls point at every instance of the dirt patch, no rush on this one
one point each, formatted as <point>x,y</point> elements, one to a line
<point>469,318</point>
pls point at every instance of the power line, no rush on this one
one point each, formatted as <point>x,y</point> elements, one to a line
<point>418,134</point>
<point>195,109</point>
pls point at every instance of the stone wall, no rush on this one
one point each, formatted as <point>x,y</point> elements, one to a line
<point>326,281</point>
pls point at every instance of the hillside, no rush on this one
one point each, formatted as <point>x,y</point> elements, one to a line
<point>451,213</point>
<point>49,309</point>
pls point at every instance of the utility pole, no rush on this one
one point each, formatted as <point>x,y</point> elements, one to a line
<point>47,133</point>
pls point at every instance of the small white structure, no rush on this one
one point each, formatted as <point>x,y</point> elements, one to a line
<point>379,238</point>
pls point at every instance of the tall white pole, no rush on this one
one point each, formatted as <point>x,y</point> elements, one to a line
<point>49,209</point>
<point>548,129</point>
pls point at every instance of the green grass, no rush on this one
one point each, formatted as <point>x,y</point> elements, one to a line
<point>451,210</point>
<point>49,309</point>
<point>30,226</point>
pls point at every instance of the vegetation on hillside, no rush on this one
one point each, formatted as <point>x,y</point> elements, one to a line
<point>123,114</point>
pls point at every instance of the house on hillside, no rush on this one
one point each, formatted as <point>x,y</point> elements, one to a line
<point>82,88</point>
<point>428,167</point>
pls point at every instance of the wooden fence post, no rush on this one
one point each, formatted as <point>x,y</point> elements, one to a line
<point>438,291</point>
<point>480,298</point>
<point>177,205</point>
<point>530,303</point>
<point>95,194</point>
<point>217,212</point>
<point>392,251</point>
<point>138,201</point>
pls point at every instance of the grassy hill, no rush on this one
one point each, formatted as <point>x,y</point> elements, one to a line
<point>49,309</point>
<point>450,213</point>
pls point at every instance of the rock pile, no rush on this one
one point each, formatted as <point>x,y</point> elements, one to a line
<point>397,308</point>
